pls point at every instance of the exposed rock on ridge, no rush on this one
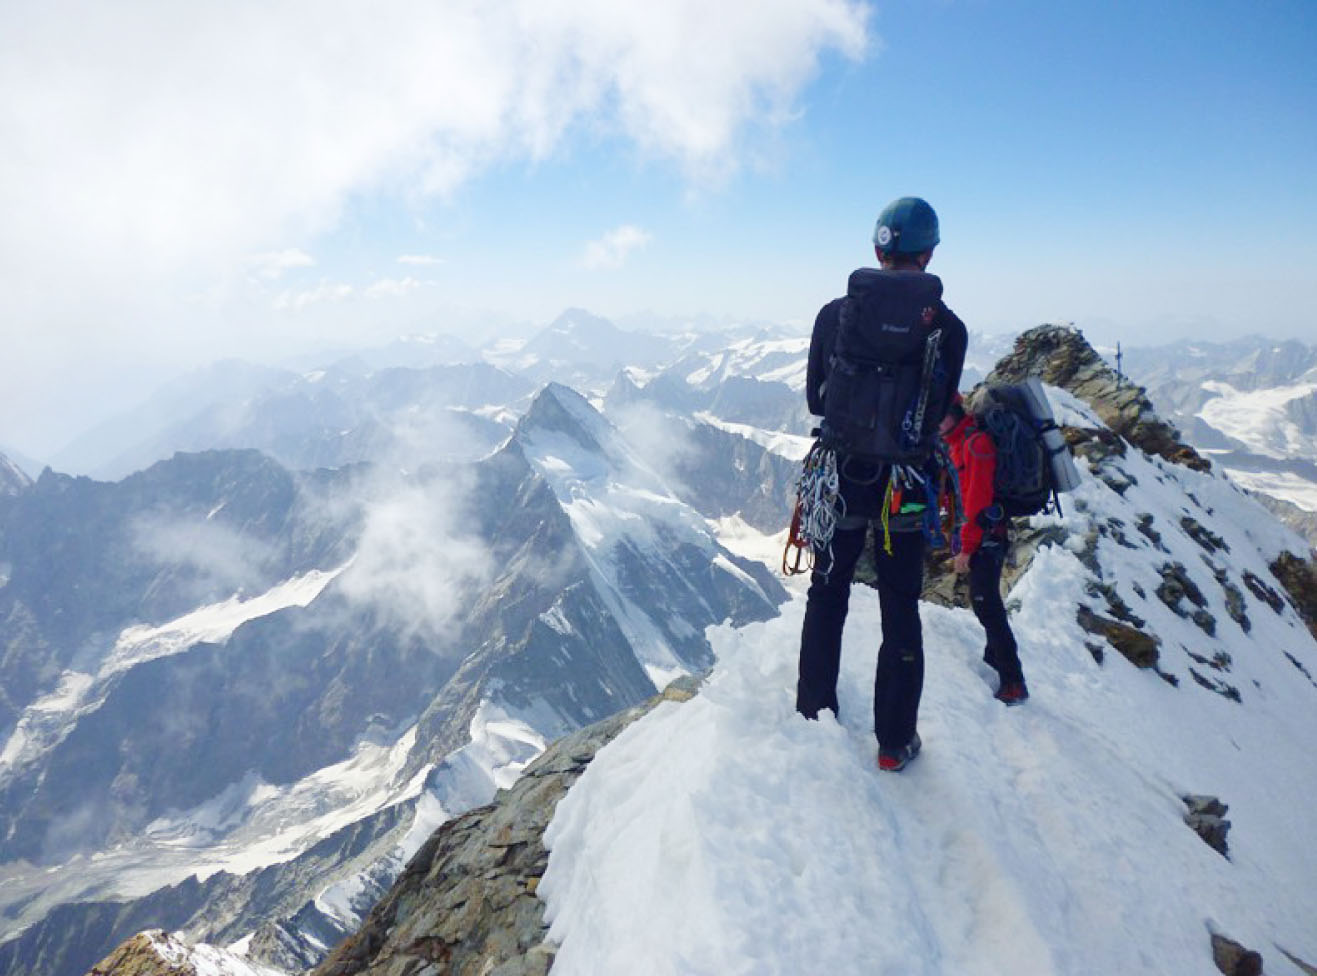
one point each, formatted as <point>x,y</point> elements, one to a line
<point>466,902</point>
<point>156,953</point>
<point>1299,577</point>
<point>1059,355</point>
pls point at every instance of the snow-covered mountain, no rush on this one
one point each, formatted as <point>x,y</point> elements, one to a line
<point>1251,403</point>
<point>1044,839</point>
<point>239,664</point>
<point>1168,626</point>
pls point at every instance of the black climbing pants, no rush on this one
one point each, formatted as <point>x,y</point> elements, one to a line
<point>900,675</point>
<point>1001,651</point>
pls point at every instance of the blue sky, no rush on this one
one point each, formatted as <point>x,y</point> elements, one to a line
<point>1109,163</point>
<point>241,180</point>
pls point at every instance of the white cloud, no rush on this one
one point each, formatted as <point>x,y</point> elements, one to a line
<point>273,264</point>
<point>421,259</point>
<point>392,287</point>
<point>151,148</point>
<point>417,561</point>
<point>325,291</point>
<point>612,250</point>
<point>172,132</point>
<point>220,559</point>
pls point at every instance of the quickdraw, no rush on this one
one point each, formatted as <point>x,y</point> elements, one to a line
<point>818,508</point>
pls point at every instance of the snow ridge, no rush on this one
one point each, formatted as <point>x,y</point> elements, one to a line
<point>731,835</point>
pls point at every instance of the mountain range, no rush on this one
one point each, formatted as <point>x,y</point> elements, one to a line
<point>318,614</point>
<point>217,663</point>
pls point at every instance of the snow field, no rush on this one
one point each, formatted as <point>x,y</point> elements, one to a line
<point>1258,418</point>
<point>729,835</point>
<point>790,446</point>
<point>1292,488</point>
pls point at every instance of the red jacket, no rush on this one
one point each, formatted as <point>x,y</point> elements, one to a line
<point>975,458</point>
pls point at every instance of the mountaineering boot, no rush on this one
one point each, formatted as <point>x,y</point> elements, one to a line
<point>1012,693</point>
<point>894,762</point>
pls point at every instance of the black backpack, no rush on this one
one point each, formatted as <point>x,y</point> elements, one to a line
<point>1023,483</point>
<point>887,386</point>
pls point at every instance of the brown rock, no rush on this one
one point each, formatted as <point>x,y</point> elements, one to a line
<point>139,956</point>
<point>1140,649</point>
<point>1233,959</point>
<point>1299,578</point>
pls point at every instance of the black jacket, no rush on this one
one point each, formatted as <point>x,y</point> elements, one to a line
<point>862,488</point>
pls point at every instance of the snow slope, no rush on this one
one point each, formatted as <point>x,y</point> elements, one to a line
<point>730,835</point>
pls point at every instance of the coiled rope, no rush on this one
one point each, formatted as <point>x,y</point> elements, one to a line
<point>1018,461</point>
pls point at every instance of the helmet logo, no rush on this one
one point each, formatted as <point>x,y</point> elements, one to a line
<point>884,236</point>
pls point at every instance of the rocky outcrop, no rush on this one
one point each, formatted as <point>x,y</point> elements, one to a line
<point>466,902</point>
<point>1206,818</point>
<point>1233,959</point>
<point>1140,649</point>
<point>1175,587</point>
<point>1059,355</point>
<point>136,957</point>
<point>1299,578</point>
<point>157,953</point>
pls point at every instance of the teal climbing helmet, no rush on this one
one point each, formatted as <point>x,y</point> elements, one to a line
<point>906,226</point>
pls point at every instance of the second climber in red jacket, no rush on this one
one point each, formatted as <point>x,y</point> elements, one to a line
<point>984,542</point>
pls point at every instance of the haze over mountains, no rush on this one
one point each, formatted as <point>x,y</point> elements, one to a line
<point>220,661</point>
<point>242,683</point>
